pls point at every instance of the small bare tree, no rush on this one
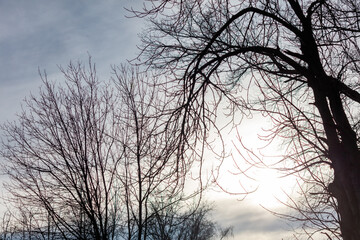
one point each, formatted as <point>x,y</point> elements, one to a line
<point>178,221</point>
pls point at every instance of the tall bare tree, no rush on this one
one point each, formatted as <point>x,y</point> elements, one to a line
<point>149,168</point>
<point>62,159</point>
<point>294,61</point>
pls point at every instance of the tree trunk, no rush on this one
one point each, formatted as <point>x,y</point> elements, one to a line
<point>344,155</point>
<point>345,189</point>
<point>343,151</point>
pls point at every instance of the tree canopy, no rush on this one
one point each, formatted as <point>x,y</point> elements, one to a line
<point>294,61</point>
<point>89,159</point>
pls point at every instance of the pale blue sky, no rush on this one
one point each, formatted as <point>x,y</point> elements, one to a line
<point>43,34</point>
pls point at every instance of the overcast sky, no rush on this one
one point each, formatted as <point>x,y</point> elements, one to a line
<point>43,34</point>
<point>40,34</point>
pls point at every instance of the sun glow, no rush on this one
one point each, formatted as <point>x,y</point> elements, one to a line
<point>245,171</point>
<point>273,189</point>
<point>258,186</point>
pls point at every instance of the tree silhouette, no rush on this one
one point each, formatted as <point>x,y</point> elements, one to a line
<point>87,159</point>
<point>149,165</point>
<point>294,61</point>
<point>62,159</point>
<point>175,222</point>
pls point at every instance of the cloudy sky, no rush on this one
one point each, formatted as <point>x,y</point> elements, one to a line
<point>42,35</point>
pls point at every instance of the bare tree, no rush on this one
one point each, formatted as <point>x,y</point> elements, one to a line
<point>62,159</point>
<point>149,166</point>
<point>7,229</point>
<point>175,222</point>
<point>86,159</point>
<point>294,61</point>
<point>21,222</point>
